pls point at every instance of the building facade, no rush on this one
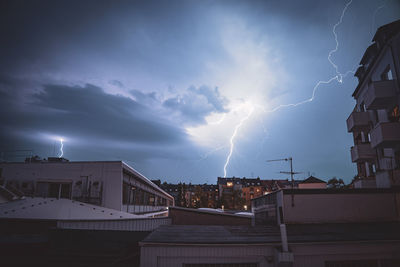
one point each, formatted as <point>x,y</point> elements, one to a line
<point>193,195</point>
<point>110,184</point>
<point>237,193</point>
<point>375,120</point>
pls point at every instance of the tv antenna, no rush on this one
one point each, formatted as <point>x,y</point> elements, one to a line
<point>291,172</point>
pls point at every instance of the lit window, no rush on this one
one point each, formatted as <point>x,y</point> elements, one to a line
<point>229,184</point>
<point>394,115</point>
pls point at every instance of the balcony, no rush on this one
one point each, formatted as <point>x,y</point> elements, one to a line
<point>381,94</point>
<point>362,152</point>
<point>358,121</point>
<point>386,135</point>
<point>386,163</point>
<point>387,179</point>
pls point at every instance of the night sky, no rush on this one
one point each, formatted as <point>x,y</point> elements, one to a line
<point>164,85</point>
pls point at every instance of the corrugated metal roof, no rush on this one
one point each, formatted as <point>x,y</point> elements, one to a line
<point>58,209</point>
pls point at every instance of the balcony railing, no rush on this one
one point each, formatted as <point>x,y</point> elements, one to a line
<point>358,121</point>
<point>386,135</point>
<point>388,178</point>
<point>380,94</point>
<point>362,152</point>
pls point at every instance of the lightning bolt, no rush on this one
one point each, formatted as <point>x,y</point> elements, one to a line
<point>232,144</point>
<point>374,16</point>
<point>338,77</point>
<point>338,74</point>
<point>61,148</point>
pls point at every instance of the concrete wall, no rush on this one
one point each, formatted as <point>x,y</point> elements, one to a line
<point>175,255</point>
<point>310,255</point>
<point>183,216</point>
<point>340,207</point>
<point>305,255</point>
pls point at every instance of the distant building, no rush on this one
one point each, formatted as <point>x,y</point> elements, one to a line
<point>237,193</point>
<point>193,195</point>
<point>312,183</point>
<point>110,184</point>
<point>375,120</point>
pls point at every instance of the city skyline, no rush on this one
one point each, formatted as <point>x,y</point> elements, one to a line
<point>168,87</point>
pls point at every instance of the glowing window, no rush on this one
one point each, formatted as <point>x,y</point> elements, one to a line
<point>229,184</point>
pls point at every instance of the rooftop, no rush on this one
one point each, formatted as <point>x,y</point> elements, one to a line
<point>340,232</point>
<point>58,209</point>
<point>312,180</point>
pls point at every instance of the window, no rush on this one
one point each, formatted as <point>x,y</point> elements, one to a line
<point>394,115</point>
<point>53,189</point>
<point>387,74</point>
<point>372,169</point>
<point>362,107</point>
<point>229,184</point>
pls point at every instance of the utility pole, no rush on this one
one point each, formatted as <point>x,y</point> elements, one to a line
<point>291,172</point>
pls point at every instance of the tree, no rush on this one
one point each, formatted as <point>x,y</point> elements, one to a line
<point>335,183</point>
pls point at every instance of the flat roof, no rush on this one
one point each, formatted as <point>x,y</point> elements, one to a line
<point>310,191</point>
<point>58,209</point>
<point>211,212</point>
<point>213,234</point>
<point>301,191</point>
<point>297,233</point>
<point>53,162</point>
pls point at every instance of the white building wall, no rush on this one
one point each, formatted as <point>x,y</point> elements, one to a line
<point>107,173</point>
<point>105,178</point>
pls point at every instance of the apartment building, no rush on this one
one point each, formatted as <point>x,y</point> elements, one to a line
<point>375,120</point>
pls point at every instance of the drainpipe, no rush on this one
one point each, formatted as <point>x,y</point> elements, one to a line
<point>284,258</point>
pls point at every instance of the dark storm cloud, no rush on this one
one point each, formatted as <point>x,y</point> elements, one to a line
<point>147,98</point>
<point>196,103</point>
<point>143,36</point>
<point>117,83</point>
<point>86,112</point>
